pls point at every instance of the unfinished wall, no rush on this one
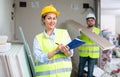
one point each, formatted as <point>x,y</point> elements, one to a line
<point>117,24</point>
<point>6,23</point>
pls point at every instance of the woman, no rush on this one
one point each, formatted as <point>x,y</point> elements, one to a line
<point>51,59</point>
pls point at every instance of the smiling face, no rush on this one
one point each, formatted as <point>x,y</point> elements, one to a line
<point>50,21</point>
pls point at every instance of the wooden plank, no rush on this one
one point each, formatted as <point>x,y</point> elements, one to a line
<point>102,42</point>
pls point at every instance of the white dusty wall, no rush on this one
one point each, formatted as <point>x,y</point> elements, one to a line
<point>108,23</point>
<point>6,23</point>
<point>117,27</point>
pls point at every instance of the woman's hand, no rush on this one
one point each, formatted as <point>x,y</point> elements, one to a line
<point>64,49</point>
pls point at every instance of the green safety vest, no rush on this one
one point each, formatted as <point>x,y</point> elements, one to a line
<point>59,65</point>
<point>89,48</point>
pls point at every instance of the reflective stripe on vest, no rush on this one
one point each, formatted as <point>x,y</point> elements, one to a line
<point>59,65</point>
<point>54,72</point>
<point>89,48</point>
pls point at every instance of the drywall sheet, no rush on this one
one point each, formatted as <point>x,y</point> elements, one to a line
<point>23,64</point>
<point>14,62</point>
<point>102,42</point>
<point>3,67</point>
<point>28,52</point>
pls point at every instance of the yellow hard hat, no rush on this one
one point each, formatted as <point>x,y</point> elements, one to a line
<point>50,9</point>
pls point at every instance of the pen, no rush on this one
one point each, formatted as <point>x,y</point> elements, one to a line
<point>58,50</point>
<point>57,43</point>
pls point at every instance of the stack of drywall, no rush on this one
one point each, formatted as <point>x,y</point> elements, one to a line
<point>14,62</point>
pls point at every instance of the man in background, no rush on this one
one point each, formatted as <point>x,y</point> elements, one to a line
<point>88,52</point>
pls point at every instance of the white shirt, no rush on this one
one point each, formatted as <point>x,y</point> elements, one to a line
<point>41,56</point>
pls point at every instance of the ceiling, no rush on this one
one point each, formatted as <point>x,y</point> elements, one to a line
<point>110,7</point>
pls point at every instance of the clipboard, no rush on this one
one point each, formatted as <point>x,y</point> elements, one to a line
<point>76,42</point>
